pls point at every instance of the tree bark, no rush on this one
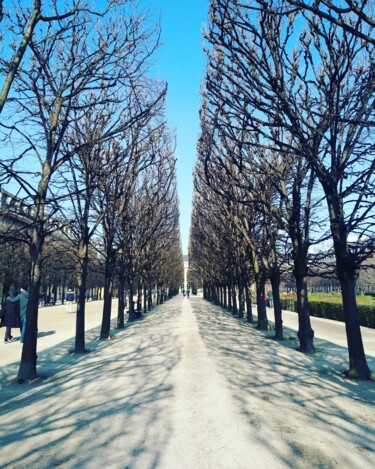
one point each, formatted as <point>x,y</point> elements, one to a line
<point>249,309</point>
<point>275,282</point>
<point>305,332</point>
<point>107,306</point>
<point>241,301</point>
<point>144,298</point>
<point>230,307</point>
<point>121,302</point>
<point>346,272</point>
<point>35,17</point>
<point>234,300</point>
<point>81,277</point>
<point>358,368</point>
<point>27,369</point>
<point>260,283</point>
<point>131,302</point>
<point>150,305</point>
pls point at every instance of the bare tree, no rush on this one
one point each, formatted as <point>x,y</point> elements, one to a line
<point>123,162</point>
<point>320,92</point>
<point>23,30</point>
<point>354,17</point>
<point>68,59</point>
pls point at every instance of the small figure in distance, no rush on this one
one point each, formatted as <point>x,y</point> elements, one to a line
<point>270,298</point>
<point>11,316</point>
<point>69,299</point>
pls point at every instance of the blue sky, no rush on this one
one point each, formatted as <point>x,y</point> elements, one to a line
<point>182,63</point>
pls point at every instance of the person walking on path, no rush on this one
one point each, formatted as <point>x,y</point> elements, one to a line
<point>22,298</point>
<point>11,315</point>
<point>69,300</point>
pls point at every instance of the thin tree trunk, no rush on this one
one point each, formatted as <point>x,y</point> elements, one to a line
<point>131,302</point>
<point>107,306</point>
<point>260,282</point>
<point>241,300</point>
<point>150,305</point>
<point>249,308</point>
<point>121,302</point>
<point>144,298</point>
<point>234,300</point>
<point>81,277</point>
<point>139,299</point>
<point>230,307</point>
<point>305,332</point>
<point>275,282</point>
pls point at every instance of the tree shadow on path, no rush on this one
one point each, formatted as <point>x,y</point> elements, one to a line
<point>306,411</point>
<point>106,408</point>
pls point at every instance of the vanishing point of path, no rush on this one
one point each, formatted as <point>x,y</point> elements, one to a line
<point>189,386</point>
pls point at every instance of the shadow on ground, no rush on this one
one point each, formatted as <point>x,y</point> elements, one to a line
<point>305,399</point>
<point>106,408</point>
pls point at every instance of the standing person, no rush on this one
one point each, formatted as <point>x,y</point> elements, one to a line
<point>270,298</point>
<point>22,298</point>
<point>69,299</point>
<point>11,316</point>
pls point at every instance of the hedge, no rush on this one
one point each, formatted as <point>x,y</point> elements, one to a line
<point>326,310</point>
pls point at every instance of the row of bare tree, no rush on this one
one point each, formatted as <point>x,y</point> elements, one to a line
<point>86,146</point>
<point>286,153</point>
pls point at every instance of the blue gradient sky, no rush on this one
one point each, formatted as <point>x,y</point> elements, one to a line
<point>182,63</point>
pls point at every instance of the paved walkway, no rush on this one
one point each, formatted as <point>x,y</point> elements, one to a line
<point>189,386</point>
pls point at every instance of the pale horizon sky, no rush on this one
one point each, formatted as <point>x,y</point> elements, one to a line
<point>182,64</point>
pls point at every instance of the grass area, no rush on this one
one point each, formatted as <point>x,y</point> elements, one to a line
<point>333,298</point>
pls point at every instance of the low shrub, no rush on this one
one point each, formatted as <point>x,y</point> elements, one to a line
<point>334,311</point>
<point>289,304</point>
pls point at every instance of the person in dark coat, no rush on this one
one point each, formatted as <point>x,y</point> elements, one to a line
<point>69,299</point>
<point>22,300</point>
<point>11,316</point>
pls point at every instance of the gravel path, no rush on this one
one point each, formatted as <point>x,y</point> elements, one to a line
<point>189,386</point>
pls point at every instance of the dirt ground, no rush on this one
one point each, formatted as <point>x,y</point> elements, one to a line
<point>189,386</point>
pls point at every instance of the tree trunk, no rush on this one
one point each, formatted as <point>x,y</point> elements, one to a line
<point>139,299</point>
<point>234,300</point>
<point>27,369</point>
<point>260,283</point>
<point>27,34</point>
<point>241,300</point>
<point>144,298</point>
<point>81,278</point>
<point>275,282</point>
<point>107,306</point>
<point>131,302</point>
<point>150,305</point>
<point>225,305</point>
<point>358,368</point>
<point>346,272</point>
<point>305,332</point>
<point>230,307</point>
<point>121,302</point>
<point>249,308</point>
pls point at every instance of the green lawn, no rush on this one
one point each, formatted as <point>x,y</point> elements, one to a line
<point>336,298</point>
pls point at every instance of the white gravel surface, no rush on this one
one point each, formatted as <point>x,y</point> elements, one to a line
<point>189,386</point>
